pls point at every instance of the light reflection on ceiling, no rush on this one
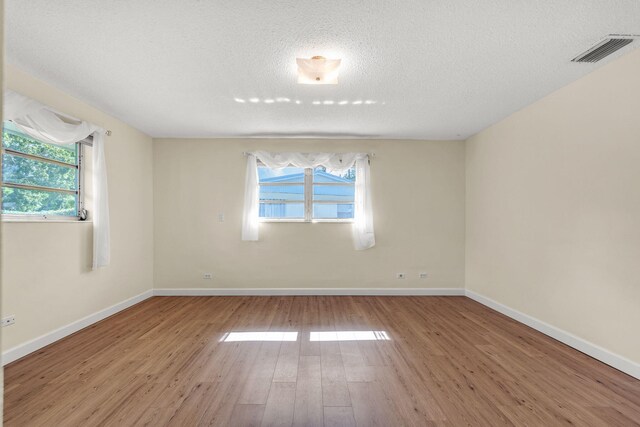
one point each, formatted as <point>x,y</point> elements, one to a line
<point>283,100</point>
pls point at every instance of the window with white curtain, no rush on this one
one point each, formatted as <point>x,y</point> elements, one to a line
<point>306,194</point>
<point>46,125</point>
<point>40,180</point>
<point>309,187</point>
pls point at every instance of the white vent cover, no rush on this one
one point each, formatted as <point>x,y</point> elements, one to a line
<point>605,48</point>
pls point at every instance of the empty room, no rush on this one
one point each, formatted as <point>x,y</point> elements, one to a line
<point>320,213</point>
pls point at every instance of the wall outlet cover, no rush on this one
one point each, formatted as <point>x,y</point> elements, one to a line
<point>9,320</point>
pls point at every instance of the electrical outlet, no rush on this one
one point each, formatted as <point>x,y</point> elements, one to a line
<point>207,276</point>
<point>423,275</point>
<point>220,216</point>
<point>400,275</point>
<point>9,320</point>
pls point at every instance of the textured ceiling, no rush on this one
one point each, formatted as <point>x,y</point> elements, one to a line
<point>410,69</point>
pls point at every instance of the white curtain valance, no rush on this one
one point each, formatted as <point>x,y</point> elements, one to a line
<point>338,163</point>
<point>44,124</point>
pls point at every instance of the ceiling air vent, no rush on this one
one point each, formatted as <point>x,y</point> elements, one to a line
<point>603,49</point>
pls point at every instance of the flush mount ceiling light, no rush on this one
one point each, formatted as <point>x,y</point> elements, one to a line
<point>318,70</point>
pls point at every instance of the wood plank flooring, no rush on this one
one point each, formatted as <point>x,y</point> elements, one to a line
<point>415,361</point>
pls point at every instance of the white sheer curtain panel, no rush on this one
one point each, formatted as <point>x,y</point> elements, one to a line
<point>43,123</point>
<point>363,234</point>
<point>251,201</point>
<point>338,163</point>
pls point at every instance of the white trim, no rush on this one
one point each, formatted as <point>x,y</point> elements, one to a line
<point>35,344</point>
<point>39,219</point>
<point>304,221</point>
<point>306,291</point>
<point>619,362</point>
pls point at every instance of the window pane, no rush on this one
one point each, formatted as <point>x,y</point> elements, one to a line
<point>320,174</point>
<point>20,170</point>
<point>282,210</point>
<point>334,193</point>
<point>295,175</point>
<point>16,140</point>
<point>332,211</point>
<point>282,192</point>
<point>18,201</point>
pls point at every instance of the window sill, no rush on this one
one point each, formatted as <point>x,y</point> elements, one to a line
<point>314,221</point>
<point>41,220</point>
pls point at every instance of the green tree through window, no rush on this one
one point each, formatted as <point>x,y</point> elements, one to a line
<point>24,163</point>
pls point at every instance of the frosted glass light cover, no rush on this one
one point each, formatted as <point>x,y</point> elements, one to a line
<point>318,70</point>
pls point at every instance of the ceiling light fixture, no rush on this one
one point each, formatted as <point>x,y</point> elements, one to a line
<point>318,70</point>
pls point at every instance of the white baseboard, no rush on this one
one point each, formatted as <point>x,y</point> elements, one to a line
<point>307,291</point>
<point>35,344</point>
<point>621,363</point>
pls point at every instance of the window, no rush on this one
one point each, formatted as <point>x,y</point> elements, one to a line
<point>297,194</point>
<point>40,180</point>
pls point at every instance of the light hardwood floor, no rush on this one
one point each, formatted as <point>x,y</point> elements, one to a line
<point>447,361</point>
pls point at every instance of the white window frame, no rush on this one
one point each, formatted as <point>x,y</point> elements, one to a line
<point>79,184</point>
<point>308,200</point>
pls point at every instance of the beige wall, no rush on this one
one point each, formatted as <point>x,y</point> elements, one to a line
<point>553,209</point>
<point>418,200</point>
<point>46,276</point>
